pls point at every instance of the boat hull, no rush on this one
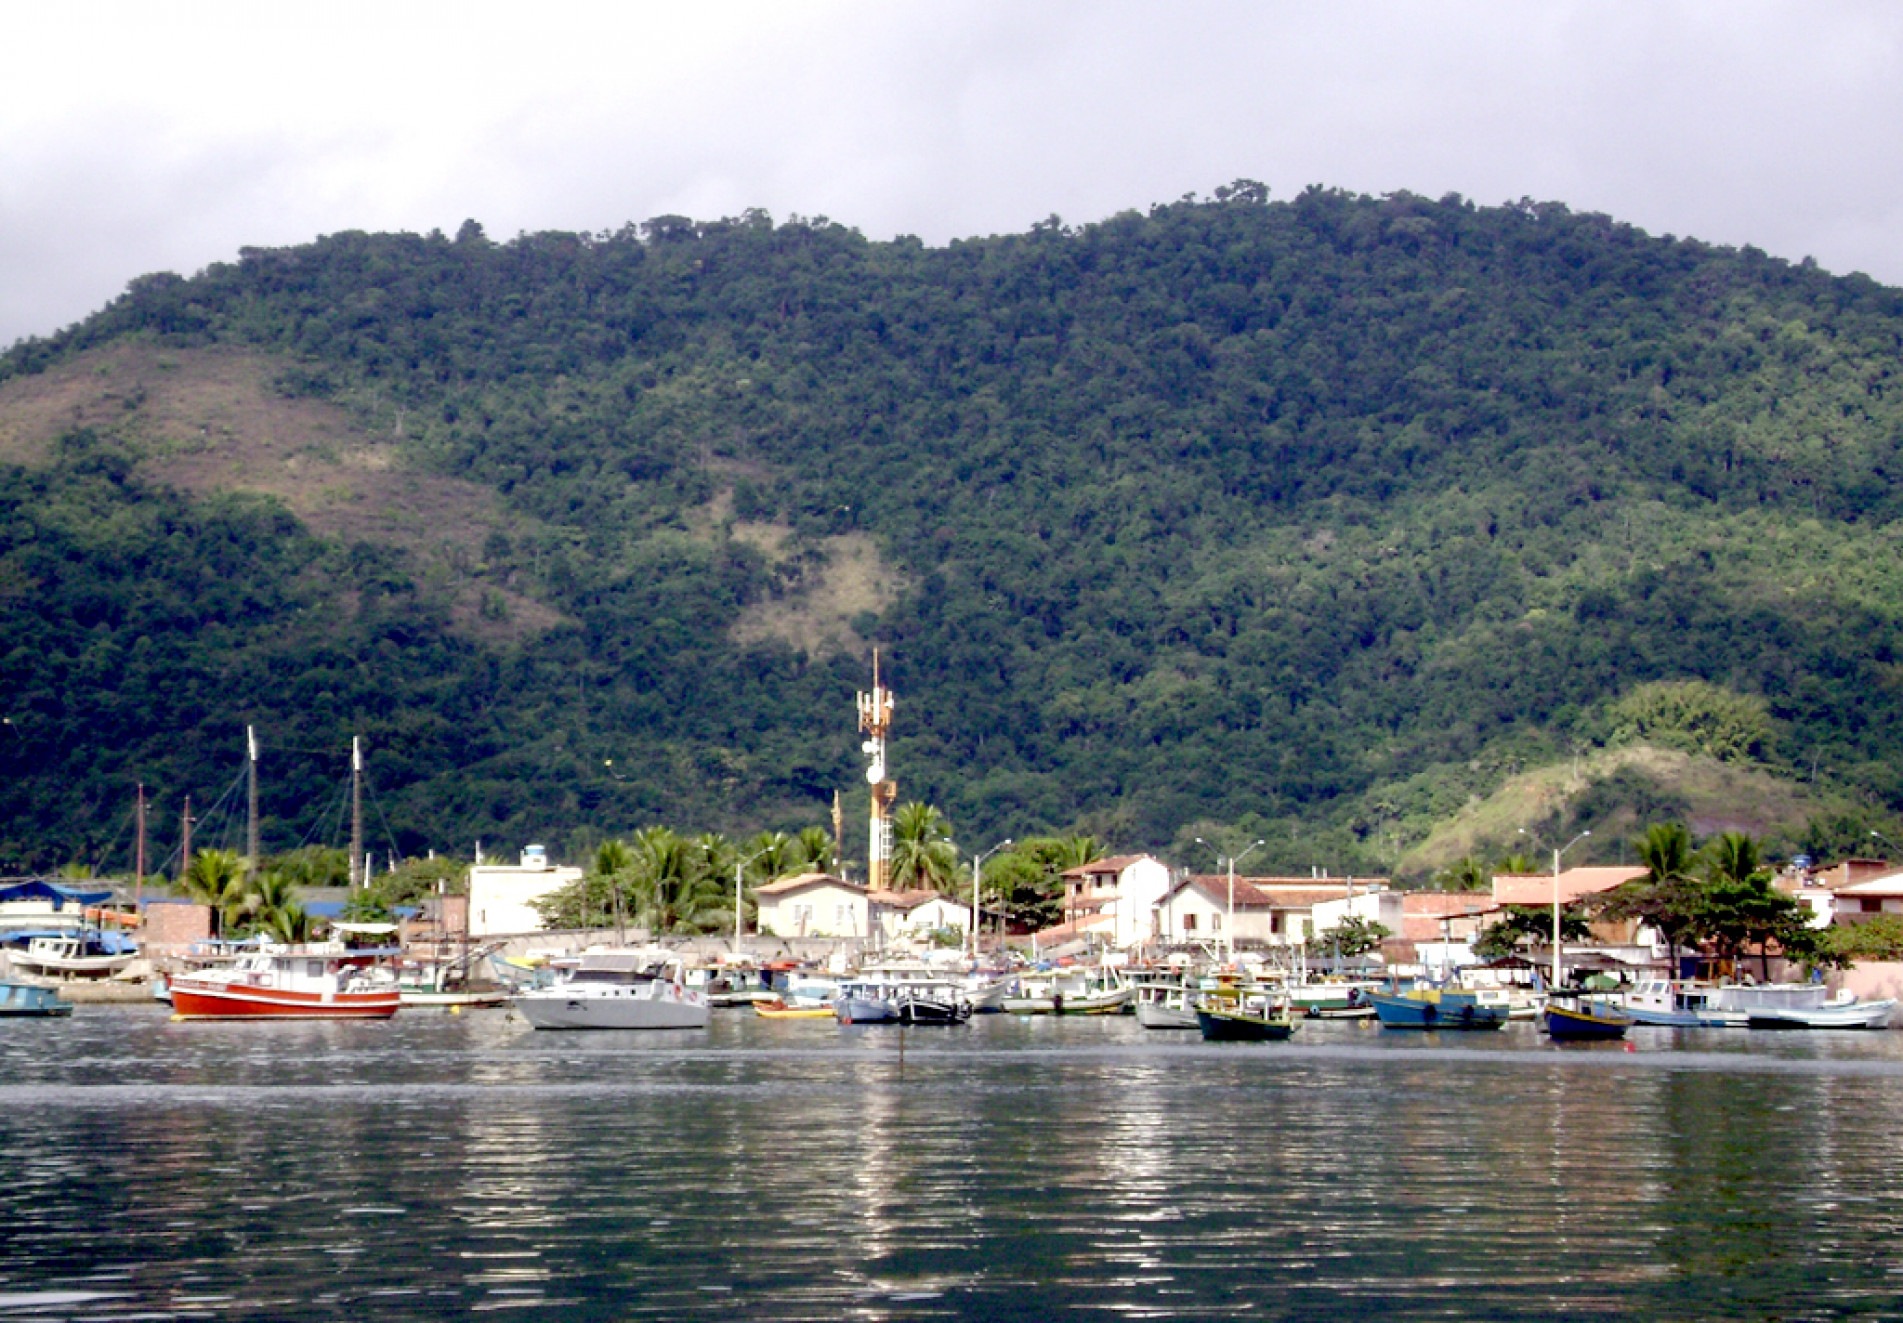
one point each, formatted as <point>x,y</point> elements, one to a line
<point>1456,1013</point>
<point>1598,1023</point>
<point>27,999</point>
<point>1162,1015</point>
<point>193,1000</point>
<point>1853,1015</point>
<point>1107,1003</point>
<point>779,1010</point>
<point>865,1010</point>
<point>1239,1027</point>
<point>930,1010</point>
<point>552,1010</point>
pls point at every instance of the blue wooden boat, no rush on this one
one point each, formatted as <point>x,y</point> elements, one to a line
<point>1586,1021</point>
<point>30,999</point>
<point>1436,1008</point>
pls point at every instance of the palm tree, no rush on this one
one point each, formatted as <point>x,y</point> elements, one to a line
<point>279,910</point>
<point>216,878</point>
<point>614,861</point>
<point>1668,898</point>
<point>816,843</point>
<point>922,853</point>
<point>1465,874</point>
<point>1742,906</point>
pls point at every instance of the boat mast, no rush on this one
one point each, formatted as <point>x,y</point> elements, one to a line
<point>138,852</point>
<point>356,813</point>
<point>185,843</point>
<point>251,790</point>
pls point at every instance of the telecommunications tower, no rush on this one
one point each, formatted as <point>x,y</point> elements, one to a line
<point>875,719</point>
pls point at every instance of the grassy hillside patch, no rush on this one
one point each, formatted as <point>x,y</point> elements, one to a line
<point>1616,793</point>
<point>209,421</point>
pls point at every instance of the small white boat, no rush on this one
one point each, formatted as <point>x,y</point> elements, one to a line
<point>1166,1004</point>
<point>1845,1011</point>
<point>616,990</point>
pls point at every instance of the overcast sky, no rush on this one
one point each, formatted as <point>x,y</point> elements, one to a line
<point>165,136</point>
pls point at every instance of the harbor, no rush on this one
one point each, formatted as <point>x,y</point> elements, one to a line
<point>1016,1167</point>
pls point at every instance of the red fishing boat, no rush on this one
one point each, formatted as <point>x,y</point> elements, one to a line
<point>312,982</point>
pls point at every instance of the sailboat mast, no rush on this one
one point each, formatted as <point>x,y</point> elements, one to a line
<point>356,812</point>
<point>251,821</point>
<point>138,852</point>
<point>185,843</point>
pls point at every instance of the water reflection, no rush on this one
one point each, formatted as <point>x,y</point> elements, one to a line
<point>1008,1169</point>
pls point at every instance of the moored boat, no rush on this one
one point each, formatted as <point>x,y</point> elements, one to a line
<point>30,999</point>
<point>1243,1020</point>
<point>84,953</point>
<point>1845,1012</point>
<point>319,981</point>
<point>1435,1008</point>
<point>780,1010</point>
<point>616,990</point>
<point>1585,1020</point>
<point>1166,1004</point>
<point>925,1007</point>
<point>1071,992</point>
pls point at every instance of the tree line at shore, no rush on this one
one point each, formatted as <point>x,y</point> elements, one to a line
<point>1718,897</point>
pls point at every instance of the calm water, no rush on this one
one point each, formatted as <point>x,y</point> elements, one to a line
<point>441,1166</point>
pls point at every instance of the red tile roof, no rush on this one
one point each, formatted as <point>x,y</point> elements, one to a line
<point>1115,863</point>
<point>786,886</point>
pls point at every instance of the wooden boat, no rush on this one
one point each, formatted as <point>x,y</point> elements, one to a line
<point>1435,1008</point>
<point>919,1007</point>
<point>779,1010</point>
<point>319,981</point>
<point>616,990</point>
<point>1072,992</point>
<point>1585,1021</point>
<point>29,999</point>
<point>84,953</point>
<point>1166,1004</point>
<point>1243,1020</point>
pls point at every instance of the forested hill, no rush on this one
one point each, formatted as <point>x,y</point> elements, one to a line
<point>1311,520</point>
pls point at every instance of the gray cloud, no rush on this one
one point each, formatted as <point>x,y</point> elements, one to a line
<point>173,140</point>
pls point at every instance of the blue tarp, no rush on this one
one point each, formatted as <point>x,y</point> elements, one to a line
<point>61,896</point>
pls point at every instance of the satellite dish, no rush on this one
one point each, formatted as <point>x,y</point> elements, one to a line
<point>875,773</point>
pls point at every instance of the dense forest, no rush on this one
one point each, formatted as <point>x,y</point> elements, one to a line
<point>1308,520</point>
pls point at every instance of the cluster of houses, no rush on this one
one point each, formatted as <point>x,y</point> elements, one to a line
<point>1121,903</point>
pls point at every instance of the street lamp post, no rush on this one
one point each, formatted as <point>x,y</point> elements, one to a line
<point>977,867</point>
<point>1556,854</point>
<point>739,896</point>
<point>1229,924</point>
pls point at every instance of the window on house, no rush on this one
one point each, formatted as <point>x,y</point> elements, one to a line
<point>1870,905</point>
<point>1215,923</point>
<point>1189,923</point>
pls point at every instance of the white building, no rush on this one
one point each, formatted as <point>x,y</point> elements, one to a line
<point>1370,906</point>
<point>1115,899</point>
<point>502,896</point>
<point>913,916</point>
<point>1256,911</point>
<point>813,905</point>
